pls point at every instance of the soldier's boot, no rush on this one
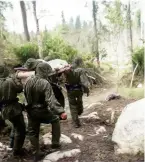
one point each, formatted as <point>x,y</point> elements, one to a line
<point>75,118</point>
<point>11,142</point>
<point>56,133</point>
<point>77,124</point>
<point>18,144</point>
<point>38,155</point>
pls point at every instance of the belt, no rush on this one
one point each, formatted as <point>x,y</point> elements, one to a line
<point>7,102</point>
<point>71,87</point>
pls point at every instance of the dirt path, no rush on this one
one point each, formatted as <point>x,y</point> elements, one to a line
<point>96,95</point>
<point>92,147</point>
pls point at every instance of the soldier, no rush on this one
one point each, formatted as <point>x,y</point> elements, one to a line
<point>76,84</point>
<point>42,108</point>
<point>11,108</point>
<point>31,64</point>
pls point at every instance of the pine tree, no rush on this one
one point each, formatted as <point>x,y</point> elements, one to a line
<point>85,24</point>
<point>63,18</point>
<point>71,22</point>
<point>78,22</point>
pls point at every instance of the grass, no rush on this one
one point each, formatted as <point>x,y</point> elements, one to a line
<point>136,93</point>
<point>106,67</point>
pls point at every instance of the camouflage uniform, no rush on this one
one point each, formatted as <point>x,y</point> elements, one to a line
<point>11,108</point>
<point>31,64</point>
<point>42,107</point>
<point>76,83</point>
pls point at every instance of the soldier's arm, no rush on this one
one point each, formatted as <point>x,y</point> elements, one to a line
<point>51,100</point>
<point>85,82</point>
<point>17,84</point>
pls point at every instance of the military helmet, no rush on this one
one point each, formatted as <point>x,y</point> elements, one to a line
<point>4,72</point>
<point>31,64</point>
<point>44,70</point>
<point>78,61</point>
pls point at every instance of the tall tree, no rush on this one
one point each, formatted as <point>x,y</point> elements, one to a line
<point>129,26</point>
<point>115,17</point>
<point>3,6</point>
<point>24,17</point>
<point>95,47</point>
<point>85,24</point>
<point>37,30</point>
<point>78,23</point>
<point>63,18</point>
<point>71,22</point>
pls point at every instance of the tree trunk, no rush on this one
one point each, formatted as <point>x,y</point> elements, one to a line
<point>129,26</point>
<point>24,17</point>
<point>95,10</point>
<point>37,30</point>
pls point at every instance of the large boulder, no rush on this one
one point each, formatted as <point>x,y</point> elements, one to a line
<point>128,134</point>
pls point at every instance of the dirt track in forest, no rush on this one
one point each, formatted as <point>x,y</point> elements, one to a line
<point>97,148</point>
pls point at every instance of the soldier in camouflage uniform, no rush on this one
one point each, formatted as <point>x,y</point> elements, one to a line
<point>42,108</point>
<point>76,84</point>
<point>31,64</point>
<point>11,108</point>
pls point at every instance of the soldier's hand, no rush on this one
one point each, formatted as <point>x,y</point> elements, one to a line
<point>63,116</point>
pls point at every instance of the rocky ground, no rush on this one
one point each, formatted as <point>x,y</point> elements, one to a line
<point>91,142</point>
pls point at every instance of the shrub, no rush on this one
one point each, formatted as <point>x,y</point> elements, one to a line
<point>138,58</point>
<point>55,47</point>
<point>25,51</point>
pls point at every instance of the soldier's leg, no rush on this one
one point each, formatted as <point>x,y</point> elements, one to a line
<point>56,133</point>
<point>19,128</point>
<point>33,133</point>
<point>54,121</point>
<point>80,104</point>
<point>12,134</point>
<point>73,110</point>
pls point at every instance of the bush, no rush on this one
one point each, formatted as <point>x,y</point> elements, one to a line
<point>25,51</point>
<point>138,58</point>
<point>55,47</point>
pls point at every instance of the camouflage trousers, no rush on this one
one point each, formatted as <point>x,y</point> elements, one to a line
<point>76,105</point>
<point>34,129</point>
<point>17,133</point>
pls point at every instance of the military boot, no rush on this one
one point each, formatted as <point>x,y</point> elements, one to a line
<point>38,156</point>
<point>11,142</point>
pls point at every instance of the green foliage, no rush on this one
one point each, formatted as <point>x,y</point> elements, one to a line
<point>115,15</point>
<point>89,64</point>
<point>138,18</point>
<point>137,93</point>
<point>55,47</point>
<point>25,51</point>
<point>138,59</point>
